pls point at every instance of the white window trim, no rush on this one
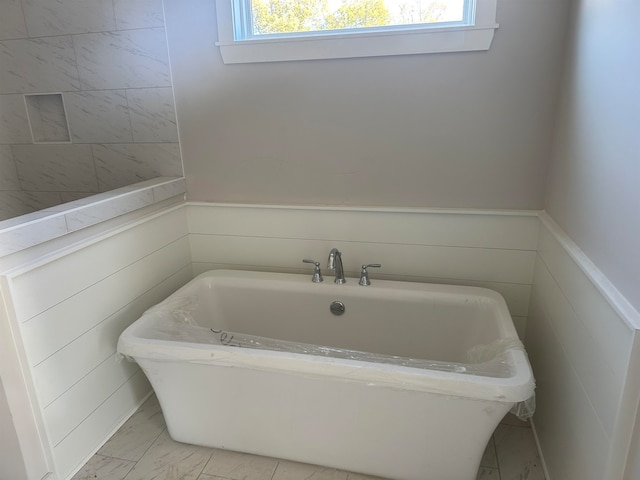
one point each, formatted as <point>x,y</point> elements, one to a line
<point>409,41</point>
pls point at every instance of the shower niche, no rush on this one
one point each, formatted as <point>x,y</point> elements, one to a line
<point>58,148</point>
<point>47,118</point>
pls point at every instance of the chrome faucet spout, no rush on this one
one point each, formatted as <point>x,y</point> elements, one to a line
<point>335,263</point>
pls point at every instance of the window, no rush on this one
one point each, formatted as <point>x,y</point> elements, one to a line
<point>283,30</point>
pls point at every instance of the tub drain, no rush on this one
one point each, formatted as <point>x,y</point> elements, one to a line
<point>337,308</point>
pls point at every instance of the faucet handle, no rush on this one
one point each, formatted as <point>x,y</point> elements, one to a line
<point>364,274</point>
<point>317,274</point>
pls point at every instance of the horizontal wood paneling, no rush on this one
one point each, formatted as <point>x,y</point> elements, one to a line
<point>573,443</point>
<point>77,403</point>
<point>580,348</point>
<point>595,312</point>
<point>72,305</point>
<point>56,327</point>
<point>59,372</point>
<point>493,250</point>
<point>504,230</point>
<point>77,447</point>
<point>516,295</point>
<point>601,380</point>
<point>68,410</point>
<point>494,265</point>
<point>40,288</point>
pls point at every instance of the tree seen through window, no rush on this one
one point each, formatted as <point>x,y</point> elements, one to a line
<point>292,16</point>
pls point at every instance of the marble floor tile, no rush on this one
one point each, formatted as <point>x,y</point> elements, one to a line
<point>104,468</point>
<point>302,471</point>
<point>510,455</point>
<point>240,466</point>
<point>514,421</point>
<point>135,437</point>
<point>517,454</point>
<point>170,460</point>
<point>489,474</point>
<point>489,458</point>
<point>359,476</point>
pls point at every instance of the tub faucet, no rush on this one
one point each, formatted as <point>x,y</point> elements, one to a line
<point>335,263</point>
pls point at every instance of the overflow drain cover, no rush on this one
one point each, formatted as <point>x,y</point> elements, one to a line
<point>337,308</point>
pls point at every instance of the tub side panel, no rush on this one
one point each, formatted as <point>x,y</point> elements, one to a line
<point>392,433</point>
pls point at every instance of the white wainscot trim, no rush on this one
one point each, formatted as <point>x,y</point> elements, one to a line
<point>582,338</point>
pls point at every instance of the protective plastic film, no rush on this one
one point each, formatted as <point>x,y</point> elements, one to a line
<point>176,323</point>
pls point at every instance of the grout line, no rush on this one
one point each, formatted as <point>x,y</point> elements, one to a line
<point>146,451</point>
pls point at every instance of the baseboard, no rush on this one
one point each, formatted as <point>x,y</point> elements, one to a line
<point>106,439</point>
<point>545,470</point>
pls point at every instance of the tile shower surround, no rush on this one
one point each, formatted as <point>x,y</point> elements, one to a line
<point>143,450</point>
<point>108,60</point>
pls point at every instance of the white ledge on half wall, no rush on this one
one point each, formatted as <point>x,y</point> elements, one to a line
<point>34,228</point>
<point>618,301</point>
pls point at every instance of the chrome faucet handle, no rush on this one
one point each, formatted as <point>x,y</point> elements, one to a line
<point>364,274</point>
<point>317,274</point>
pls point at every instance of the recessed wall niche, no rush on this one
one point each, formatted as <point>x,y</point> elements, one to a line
<point>47,118</point>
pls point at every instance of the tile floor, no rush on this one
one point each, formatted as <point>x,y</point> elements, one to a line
<point>143,450</point>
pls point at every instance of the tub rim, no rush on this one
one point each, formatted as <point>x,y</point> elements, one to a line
<point>515,388</point>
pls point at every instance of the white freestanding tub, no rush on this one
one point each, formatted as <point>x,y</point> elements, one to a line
<point>238,361</point>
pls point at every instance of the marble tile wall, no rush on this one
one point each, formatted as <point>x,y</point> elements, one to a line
<point>107,61</point>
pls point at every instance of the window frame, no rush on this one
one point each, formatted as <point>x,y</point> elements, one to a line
<point>371,42</point>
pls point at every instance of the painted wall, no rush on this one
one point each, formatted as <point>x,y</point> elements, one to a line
<point>445,130</point>
<point>593,185</point>
<point>86,103</point>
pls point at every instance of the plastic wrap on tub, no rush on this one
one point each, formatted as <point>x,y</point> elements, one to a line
<point>176,323</point>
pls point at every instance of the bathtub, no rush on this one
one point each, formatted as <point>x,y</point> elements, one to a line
<point>394,386</point>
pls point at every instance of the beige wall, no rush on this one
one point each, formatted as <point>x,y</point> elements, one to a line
<point>594,184</point>
<point>444,130</point>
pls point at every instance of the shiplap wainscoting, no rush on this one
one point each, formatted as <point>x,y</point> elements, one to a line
<point>493,249</point>
<point>581,339</point>
<point>68,304</point>
<point>70,307</point>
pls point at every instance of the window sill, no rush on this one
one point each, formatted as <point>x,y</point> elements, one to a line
<point>477,37</point>
<point>457,39</point>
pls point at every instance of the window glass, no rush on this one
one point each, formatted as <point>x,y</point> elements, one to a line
<point>278,17</point>
<point>256,31</point>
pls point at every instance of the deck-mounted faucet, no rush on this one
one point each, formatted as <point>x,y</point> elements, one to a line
<point>335,263</point>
